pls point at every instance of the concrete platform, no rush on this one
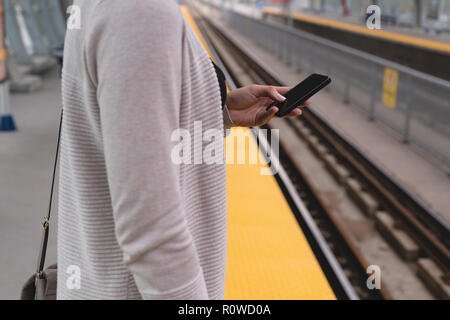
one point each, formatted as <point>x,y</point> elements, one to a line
<point>415,169</point>
<point>25,177</point>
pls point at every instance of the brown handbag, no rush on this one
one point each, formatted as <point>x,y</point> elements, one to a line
<point>42,285</point>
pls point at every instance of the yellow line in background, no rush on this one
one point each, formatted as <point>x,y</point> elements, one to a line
<point>396,37</point>
<point>187,15</point>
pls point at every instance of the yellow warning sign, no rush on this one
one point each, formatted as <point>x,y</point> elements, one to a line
<point>390,84</point>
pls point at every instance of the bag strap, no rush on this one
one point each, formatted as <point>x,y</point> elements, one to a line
<point>45,224</point>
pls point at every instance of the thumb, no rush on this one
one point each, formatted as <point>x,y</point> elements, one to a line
<point>272,93</point>
<point>275,95</point>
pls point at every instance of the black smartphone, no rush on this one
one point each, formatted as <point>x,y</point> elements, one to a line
<point>300,93</point>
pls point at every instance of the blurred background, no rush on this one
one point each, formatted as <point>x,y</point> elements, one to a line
<point>426,14</point>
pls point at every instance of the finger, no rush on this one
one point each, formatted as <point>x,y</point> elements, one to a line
<point>274,94</point>
<point>270,92</point>
<point>294,113</point>
<point>283,90</point>
<point>306,103</point>
<point>269,114</point>
<point>272,111</point>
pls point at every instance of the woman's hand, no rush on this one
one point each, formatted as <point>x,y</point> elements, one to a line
<point>247,105</point>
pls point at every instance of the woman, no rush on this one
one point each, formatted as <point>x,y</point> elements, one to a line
<point>134,224</point>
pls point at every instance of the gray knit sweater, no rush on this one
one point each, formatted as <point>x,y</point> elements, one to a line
<point>132,222</point>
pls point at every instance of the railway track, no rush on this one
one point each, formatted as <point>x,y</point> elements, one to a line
<point>380,193</point>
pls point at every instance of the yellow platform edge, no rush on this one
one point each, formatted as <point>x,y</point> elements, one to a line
<point>392,36</point>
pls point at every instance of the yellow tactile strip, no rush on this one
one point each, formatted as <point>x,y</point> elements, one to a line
<point>268,255</point>
<point>187,15</point>
<point>392,36</point>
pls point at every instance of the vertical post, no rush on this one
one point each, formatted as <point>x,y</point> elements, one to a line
<point>322,6</point>
<point>347,92</point>
<point>287,36</point>
<point>418,12</point>
<point>292,49</point>
<point>408,111</point>
<point>373,94</point>
<point>6,119</point>
<point>280,44</point>
<point>298,52</point>
<point>273,45</point>
<point>285,53</point>
<point>290,21</point>
<point>407,123</point>
<point>328,71</point>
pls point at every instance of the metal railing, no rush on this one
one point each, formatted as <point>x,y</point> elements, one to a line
<point>414,104</point>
